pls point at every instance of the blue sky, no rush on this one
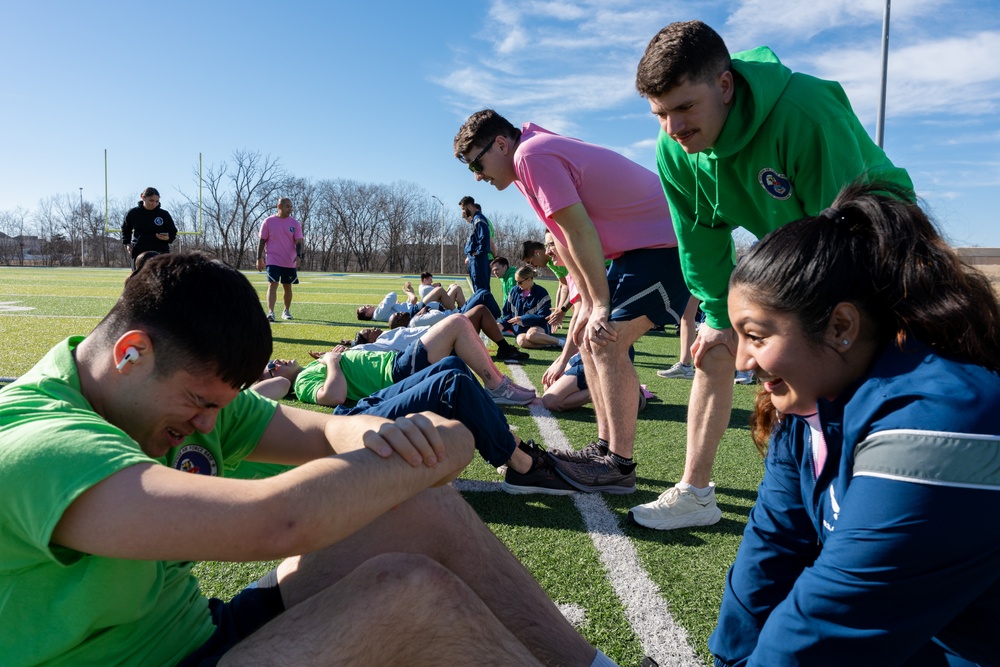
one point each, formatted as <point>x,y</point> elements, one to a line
<point>376,91</point>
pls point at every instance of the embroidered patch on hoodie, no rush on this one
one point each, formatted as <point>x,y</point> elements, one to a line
<point>776,184</point>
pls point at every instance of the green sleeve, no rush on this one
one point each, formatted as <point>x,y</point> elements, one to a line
<point>309,381</point>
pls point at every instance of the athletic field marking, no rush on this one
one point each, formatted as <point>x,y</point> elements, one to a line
<point>11,307</point>
<point>647,611</point>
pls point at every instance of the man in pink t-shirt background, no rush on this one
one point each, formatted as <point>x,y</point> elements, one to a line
<point>598,205</point>
<point>281,240</point>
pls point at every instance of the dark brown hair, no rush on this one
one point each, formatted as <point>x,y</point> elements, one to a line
<point>878,250</point>
<point>480,129</point>
<point>688,51</point>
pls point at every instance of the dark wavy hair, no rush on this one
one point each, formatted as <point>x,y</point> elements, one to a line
<point>480,129</point>
<point>228,334</point>
<point>877,249</point>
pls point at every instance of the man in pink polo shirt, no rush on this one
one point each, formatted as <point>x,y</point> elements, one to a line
<point>281,238</point>
<point>598,205</point>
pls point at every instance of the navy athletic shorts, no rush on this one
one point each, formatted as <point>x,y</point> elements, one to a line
<point>411,360</point>
<point>648,282</point>
<point>237,619</point>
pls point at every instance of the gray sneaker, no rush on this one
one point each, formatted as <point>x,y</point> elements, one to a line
<point>589,453</point>
<point>744,377</point>
<point>678,370</point>
<point>509,393</point>
<point>270,316</point>
<point>598,474</point>
<point>285,315</point>
<point>677,508</point>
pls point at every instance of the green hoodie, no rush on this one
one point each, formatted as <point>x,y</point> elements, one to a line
<point>788,146</point>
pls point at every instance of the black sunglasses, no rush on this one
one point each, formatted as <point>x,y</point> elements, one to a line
<point>474,165</point>
<point>271,365</point>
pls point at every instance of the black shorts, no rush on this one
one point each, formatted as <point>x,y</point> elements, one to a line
<point>282,274</point>
<point>237,619</point>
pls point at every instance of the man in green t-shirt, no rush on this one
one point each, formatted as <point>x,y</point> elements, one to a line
<point>114,455</point>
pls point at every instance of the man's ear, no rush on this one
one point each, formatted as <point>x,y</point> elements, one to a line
<point>131,348</point>
<point>844,326</point>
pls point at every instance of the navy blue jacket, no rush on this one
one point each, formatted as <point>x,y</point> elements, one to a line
<point>533,309</point>
<point>895,548</point>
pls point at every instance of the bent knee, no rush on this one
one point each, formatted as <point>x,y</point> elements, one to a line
<point>552,402</point>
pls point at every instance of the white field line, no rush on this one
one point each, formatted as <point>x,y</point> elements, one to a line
<point>646,609</point>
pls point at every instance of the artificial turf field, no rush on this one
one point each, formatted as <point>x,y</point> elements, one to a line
<point>566,542</point>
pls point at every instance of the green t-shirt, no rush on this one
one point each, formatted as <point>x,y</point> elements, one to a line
<point>59,606</point>
<point>559,271</point>
<point>365,373</point>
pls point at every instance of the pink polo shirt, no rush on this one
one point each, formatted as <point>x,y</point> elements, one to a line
<point>280,236</point>
<point>623,199</point>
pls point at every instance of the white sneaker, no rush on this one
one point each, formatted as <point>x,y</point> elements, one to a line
<point>677,508</point>
<point>509,393</point>
<point>270,316</point>
<point>744,377</point>
<point>678,370</point>
<point>285,315</point>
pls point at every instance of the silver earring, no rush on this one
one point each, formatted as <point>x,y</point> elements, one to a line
<point>845,342</point>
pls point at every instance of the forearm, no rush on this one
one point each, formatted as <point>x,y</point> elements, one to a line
<point>334,389</point>
<point>261,245</point>
<point>584,255</point>
<point>138,512</point>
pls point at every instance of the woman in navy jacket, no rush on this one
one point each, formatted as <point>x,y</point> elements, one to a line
<point>526,312</point>
<point>875,538</point>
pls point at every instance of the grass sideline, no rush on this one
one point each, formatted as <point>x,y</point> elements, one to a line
<point>546,533</point>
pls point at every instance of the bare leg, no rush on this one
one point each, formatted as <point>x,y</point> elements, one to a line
<point>454,335</point>
<point>688,332</point>
<point>272,296</point>
<point>709,410</point>
<point>287,296</point>
<point>455,292</point>
<point>440,525</point>
<point>565,394</point>
<point>616,381</point>
<point>535,338</point>
<point>438,294</point>
<point>482,320</point>
<point>597,394</point>
<point>394,609</point>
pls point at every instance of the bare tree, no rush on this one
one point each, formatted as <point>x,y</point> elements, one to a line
<point>241,194</point>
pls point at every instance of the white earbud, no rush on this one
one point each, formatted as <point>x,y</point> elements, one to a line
<point>131,355</point>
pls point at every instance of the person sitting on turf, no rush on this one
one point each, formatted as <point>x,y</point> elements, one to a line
<point>115,452</point>
<point>526,312</point>
<point>343,374</point>
<point>878,351</point>
<point>502,269</point>
<point>448,388</point>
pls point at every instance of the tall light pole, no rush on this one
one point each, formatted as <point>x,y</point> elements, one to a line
<point>880,117</point>
<point>83,236</point>
<point>442,232</point>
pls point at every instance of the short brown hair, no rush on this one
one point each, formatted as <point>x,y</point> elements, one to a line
<point>480,129</point>
<point>681,52</point>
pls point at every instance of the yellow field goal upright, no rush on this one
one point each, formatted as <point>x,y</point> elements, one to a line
<point>107,211</point>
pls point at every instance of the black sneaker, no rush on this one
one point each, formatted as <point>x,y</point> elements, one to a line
<point>511,355</point>
<point>600,474</point>
<point>589,453</point>
<point>541,478</point>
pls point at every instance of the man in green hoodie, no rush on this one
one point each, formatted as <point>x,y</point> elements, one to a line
<point>744,142</point>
